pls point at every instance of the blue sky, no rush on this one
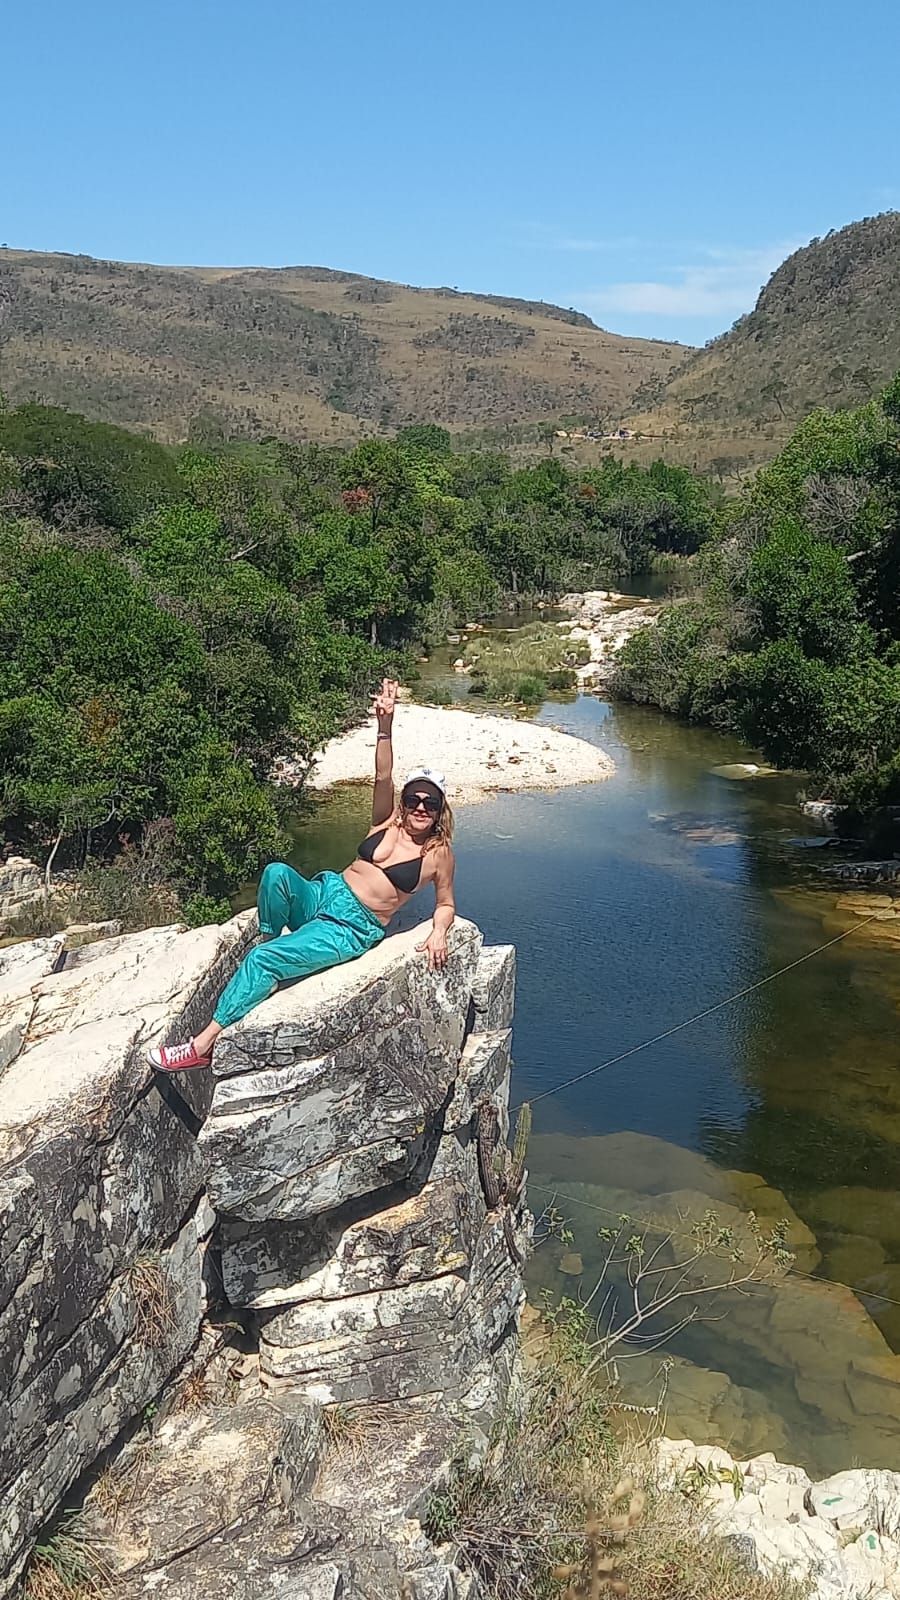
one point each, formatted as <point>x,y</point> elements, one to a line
<point>648,163</point>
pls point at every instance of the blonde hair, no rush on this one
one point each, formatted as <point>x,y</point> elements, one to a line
<point>441,830</point>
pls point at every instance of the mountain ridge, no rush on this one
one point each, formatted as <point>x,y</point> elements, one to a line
<point>825,331</point>
<point>311,352</point>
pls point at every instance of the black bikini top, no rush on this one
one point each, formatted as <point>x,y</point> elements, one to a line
<point>404,875</point>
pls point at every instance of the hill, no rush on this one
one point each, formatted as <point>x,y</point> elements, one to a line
<point>825,332</point>
<point>301,351</point>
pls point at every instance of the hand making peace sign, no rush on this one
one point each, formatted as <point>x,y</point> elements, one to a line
<point>385,703</point>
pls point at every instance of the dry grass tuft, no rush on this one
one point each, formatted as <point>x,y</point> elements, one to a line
<point>559,1510</point>
<point>154,1301</point>
<point>123,1483</point>
<point>357,1430</point>
<point>69,1565</point>
<point>195,1393</point>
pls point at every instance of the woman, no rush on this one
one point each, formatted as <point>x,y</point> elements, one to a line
<point>334,918</point>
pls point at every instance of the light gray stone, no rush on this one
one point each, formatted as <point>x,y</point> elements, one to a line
<point>402,1342</point>
<point>23,965</point>
<point>293,1142</point>
<point>484,1071</point>
<point>100,1184</point>
<point>15,1021</point>
<point>79,934</point>
<point>433,1583</point>
<point>325,1582</point>
<point>810,1548</point>
<point>823,811</point>
<point>21,885</point>
<point>859,1499</point>
<point>416,1235</point>
<point>338,1150</point>
<point>310,1019</point>
<point>114,1362</point>
<point>229,1461</point>
<point>303,1134</point>
<point>872,1565</point>
<point>494,987</point>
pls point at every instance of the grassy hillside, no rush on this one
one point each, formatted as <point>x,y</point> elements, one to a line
<point>300,351</point>
<point>825,332</point>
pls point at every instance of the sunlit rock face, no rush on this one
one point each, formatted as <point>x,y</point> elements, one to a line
<point>21,886</point>
<point>322,1181</point>
<point>340,1159</point>
<point>103,1212</point>
<point>838,1539</point>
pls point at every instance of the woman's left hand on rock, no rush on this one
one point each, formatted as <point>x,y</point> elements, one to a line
<point>435,947</point>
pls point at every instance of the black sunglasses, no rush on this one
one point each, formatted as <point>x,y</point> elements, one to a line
<point>430,801</point>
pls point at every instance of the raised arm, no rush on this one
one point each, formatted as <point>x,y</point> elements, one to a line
<point>383,796</point>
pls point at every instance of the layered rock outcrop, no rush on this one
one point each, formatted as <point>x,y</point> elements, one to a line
<point>324,1173</point>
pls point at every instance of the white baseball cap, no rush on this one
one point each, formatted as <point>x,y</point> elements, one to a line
<point>426,775</point>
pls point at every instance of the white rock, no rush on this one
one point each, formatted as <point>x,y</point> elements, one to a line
<point>873,1561</point>
<point>21,884</point>
<point>859,1499</point>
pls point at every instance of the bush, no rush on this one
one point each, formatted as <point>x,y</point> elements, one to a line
<point>522,667</point>
<point>202,909</point>
<point>435,694</point>
<point>530,689</point>
<point>74,471</point>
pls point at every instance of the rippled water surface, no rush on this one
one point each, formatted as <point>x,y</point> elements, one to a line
<point>634,905</point>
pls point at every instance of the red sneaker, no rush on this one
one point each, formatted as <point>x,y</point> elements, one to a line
<point>177,1057</point>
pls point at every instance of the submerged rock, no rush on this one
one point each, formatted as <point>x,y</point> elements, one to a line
<point>738,770</point>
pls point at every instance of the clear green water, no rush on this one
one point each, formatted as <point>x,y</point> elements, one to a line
<point>633,905</point>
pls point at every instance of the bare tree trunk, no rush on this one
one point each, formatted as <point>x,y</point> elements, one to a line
<point>50,860</point>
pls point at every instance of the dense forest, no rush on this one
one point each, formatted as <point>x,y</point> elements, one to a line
<point>790,632</point>
<point>172,620</point>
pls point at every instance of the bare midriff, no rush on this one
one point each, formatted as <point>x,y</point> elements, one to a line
<point>376,892</point>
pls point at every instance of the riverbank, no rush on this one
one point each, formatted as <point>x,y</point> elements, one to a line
<point>481,755</point>
<point>606,620</point>
<point>836,1538</point>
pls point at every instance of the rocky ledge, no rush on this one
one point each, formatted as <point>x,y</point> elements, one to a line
<point>606,620</point>
<point>841,1536</point>
<point>318,1192</point>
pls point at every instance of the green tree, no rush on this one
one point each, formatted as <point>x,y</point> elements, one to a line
<point>75,472</point>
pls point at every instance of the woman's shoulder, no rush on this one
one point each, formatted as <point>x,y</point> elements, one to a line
<point>379,828</point>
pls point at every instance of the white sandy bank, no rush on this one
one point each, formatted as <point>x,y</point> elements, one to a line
<point>479,755</point>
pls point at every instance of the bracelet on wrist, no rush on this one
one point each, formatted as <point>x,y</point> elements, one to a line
<point>384,736</point>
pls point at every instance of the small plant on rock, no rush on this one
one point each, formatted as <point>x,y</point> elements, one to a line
<point>67,1565</point>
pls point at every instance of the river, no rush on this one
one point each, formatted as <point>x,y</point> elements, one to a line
<point>634,905</point>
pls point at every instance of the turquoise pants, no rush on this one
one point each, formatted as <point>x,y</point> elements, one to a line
<point>328,925</point>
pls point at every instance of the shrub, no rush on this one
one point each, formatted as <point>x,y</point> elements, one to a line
<point>531,688</point>
<point>557,1502</point>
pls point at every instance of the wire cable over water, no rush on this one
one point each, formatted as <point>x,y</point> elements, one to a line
<point>700,1015</point>
<point>864,1294</point>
